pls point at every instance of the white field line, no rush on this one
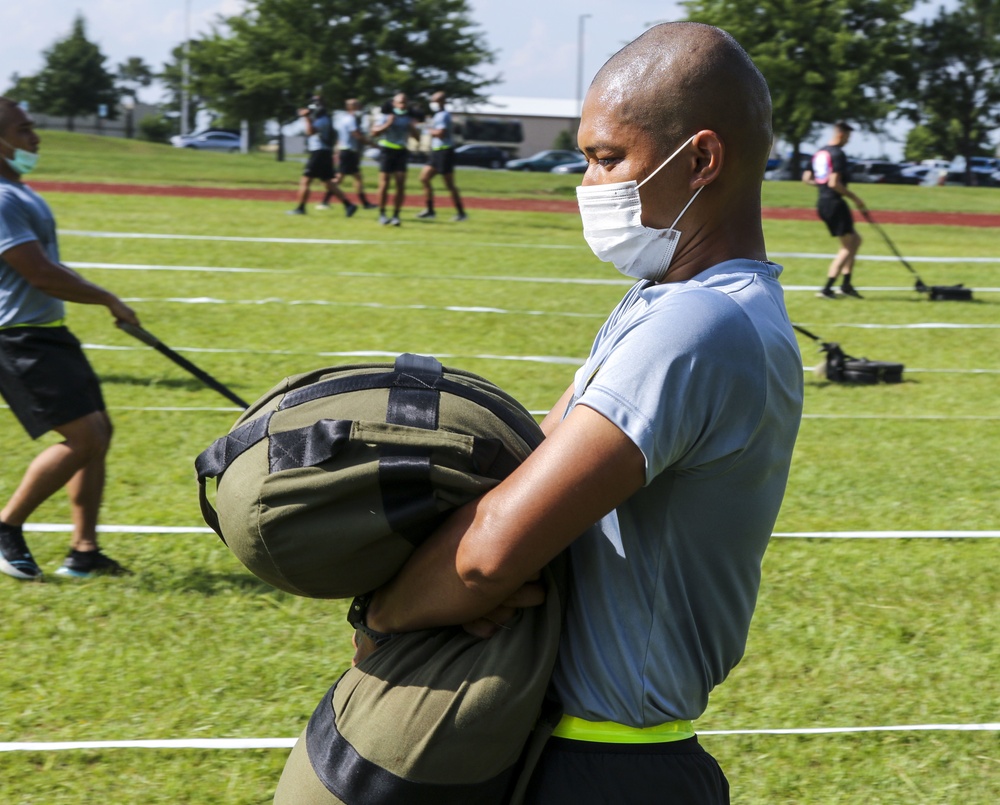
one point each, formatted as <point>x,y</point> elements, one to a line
<point>65,528</point>
<point>274,300</point>
<point>193,409</point>
<point>549,359</point>
<point>556,359</point>
<point>209,300</point>
<point>287,743</point>
<point>83,233</point>
<point>147,267</point>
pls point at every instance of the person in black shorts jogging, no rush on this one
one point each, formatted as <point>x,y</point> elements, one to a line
<point>44,376</point>
<point>319,164</point>
<point>830,174</point>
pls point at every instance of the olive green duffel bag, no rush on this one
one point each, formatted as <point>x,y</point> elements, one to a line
<point>325,486</point>
<point>330,479</point>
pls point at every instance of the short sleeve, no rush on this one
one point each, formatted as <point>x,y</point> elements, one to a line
<point>684,380</point>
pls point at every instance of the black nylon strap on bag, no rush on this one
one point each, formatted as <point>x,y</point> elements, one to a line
<point>212,463</point>
<point>352,778</point>
<point>404,476</point>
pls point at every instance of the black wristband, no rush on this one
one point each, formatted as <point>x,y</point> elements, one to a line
<point>356,615</point>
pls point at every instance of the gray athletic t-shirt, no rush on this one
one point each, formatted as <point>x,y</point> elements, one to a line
<point>24,216</point>
<point>705,376</point>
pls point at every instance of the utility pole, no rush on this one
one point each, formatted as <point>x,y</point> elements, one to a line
<point>186,70</point>
<point>579,70</point>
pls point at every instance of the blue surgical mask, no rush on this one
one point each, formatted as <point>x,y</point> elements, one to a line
<point>22,162</point>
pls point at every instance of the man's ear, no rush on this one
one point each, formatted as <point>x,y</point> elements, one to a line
<point>710,154</point>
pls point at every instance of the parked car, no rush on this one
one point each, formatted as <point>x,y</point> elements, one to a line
<point>572,167</point>
<point>483,156</point>
<point>981,169</point>
<point>877,171</point>
<point>916,174</point>
<point>787,171</point>
<point>543,161</point>
<point>211,140</point>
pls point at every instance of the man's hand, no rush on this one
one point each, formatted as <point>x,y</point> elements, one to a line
<point>364,646</point>
<point>530,594</point>
<point>123,312</point>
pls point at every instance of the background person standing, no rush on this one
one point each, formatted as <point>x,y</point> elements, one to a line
<point>442,159</point>
<point>319,164</point>
<point>394,131</point>
<point>830,174</point>
<point>44,376</point>
<point>350,145</point>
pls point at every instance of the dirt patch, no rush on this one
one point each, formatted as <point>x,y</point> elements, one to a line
<point>512,204</point>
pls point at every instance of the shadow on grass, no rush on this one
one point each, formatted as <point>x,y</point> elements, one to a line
<point>184,383</point>
<point>208,583</point>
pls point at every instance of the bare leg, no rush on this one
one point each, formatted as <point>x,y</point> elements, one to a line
<point>303,196</point>
<point>843,262</point>
<point>400,191</point>
<point>427,175</point>
<point>383,190</point>
<point>456,198</point>
<point>78,464</point>
<point>359,186</point>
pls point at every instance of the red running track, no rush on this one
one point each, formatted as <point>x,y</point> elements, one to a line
<point>519,205</point>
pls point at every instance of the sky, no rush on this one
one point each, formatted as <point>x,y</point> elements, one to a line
<point>537,41</point>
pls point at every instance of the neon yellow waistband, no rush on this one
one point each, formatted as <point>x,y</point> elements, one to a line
<point>56,323</point>
<point>392,145</point>
<point>608,732</point>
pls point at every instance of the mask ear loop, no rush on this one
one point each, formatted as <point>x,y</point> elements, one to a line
<point>667,160</point>
<point>696,192</point>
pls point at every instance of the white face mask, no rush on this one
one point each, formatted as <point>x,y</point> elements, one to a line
<point>435,106</point>
<point>612,227</point>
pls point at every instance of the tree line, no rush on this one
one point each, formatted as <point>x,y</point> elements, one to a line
<point>825,60</point>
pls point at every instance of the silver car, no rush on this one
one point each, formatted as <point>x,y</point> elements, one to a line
<point>226,141</point>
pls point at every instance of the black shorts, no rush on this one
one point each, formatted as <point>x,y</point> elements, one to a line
<point>319,165</point>
<point>836,215</point>
<point>393,160</point>
<point>349,162</point>
<point>585,773</point>
<point>443,160</point>
<point>45,378</point>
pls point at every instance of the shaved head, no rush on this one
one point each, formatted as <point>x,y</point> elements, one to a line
<point>680,77</point>
<point>8,113</point>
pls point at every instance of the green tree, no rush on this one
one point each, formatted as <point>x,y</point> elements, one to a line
<point>265,62</point>
<point>23,88</point>
<point>953,87</point>
<point>133,75</point>
<point>824,60</point>
<point>73,81</point>
<point>172,79</point>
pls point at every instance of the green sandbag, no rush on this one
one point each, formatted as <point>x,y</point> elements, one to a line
<point>325,486</point>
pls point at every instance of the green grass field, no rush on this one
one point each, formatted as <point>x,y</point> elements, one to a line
<point>848,633</point>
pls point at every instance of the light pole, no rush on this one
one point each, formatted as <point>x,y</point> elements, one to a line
<point>186,69</point>
<point>579,69</point>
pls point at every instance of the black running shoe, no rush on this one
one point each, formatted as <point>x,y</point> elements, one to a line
<point>15,558</point>
<point>350,209</point>
<point>848,290</point>
<point>85,564</point>
<point>826,293</point>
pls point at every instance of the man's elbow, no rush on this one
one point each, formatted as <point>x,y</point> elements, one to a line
<point>485,568</point>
